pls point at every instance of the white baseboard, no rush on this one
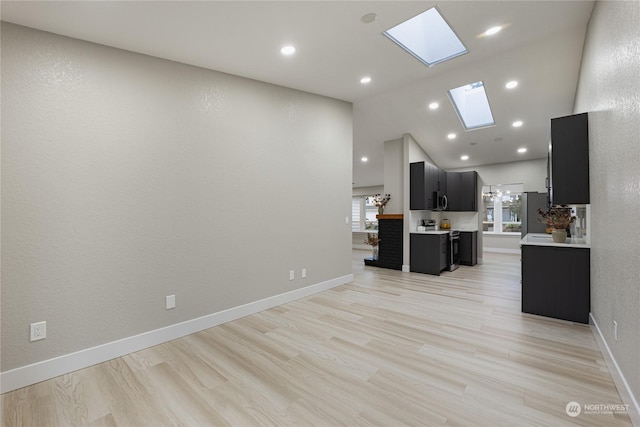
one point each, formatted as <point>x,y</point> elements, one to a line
<point>47,369</point>
<point>502,250</point>
<point>406,268</point>
<point>626,394</point>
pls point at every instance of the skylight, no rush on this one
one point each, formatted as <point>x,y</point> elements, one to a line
<point>472,105</point>
<point>428,37</point>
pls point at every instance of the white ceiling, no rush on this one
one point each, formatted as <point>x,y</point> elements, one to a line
<point>541,47</point>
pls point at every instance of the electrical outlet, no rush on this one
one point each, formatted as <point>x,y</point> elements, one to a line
<point>170,302</point>
<point>292,274</point>
<point>38,331</point>
<point>615,330</point>
<point>303,274</point>
<point>346,220</point>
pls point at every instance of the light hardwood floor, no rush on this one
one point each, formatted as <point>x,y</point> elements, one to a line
<point>389,349</point>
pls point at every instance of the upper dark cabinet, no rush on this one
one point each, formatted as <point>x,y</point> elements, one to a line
<point>462,191</point>
<point>424,180</point>
<point>461,188</point>
<point>469,191</point>
<point>418,177</point>
<point>454,186</point>
<point>569,160</point>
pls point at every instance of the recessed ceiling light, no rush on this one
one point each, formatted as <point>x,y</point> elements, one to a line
<point>512,84</point>
<point>522,150</point>
<point>451,136</point>
<point>434,106</point>
<point>364,159</point>
<point>365,80</point>
<point>288,50</point>
<point>368,18</point>
<point>493,30</point>
<point>517,123</point>
<point>465,157</point>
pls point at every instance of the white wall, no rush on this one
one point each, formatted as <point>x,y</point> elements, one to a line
<point>531,173</point>
<point>608,89</point>
<point>394,175</point>
<point>368,191</point>
<point>126,178</point>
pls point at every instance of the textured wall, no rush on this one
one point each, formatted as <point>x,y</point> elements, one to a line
<point>609,89</point>
<point>126,178</point>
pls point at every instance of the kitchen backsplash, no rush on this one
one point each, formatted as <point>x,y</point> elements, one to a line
<point>466,221</point>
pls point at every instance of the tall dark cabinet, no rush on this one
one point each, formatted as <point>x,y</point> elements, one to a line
<point>569,160</point>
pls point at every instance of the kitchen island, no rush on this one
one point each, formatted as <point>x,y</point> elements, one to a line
<point>556,277</point>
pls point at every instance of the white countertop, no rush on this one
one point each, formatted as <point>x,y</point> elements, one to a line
<point>543,239</point>
<point>432,232</point>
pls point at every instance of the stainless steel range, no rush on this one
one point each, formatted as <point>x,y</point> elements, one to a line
<point>454,250</point>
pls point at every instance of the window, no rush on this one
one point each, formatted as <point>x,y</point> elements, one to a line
<point>472,106</point>
<point>427,37</point>
<point>363,214</point>
<point>502,208</point>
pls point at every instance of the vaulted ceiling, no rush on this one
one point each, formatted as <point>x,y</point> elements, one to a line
<point>540,46</point>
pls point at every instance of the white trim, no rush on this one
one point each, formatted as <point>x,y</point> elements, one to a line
<point>406,268</point>
<point>626,394</point>
<point>502,250</point>
<point>363,247</point>
<point>47,369</point>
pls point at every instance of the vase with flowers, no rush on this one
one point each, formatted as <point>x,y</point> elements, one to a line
<point>372,239</point>
<point>380,201</point>
<point>558,219</point>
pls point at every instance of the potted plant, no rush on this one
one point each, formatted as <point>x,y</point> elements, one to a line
<point>372,239</point>
<point>380,201</point>
<point>559,219</point>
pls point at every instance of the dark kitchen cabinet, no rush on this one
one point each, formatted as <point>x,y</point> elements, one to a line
<point>569,160</point>
<point>555,282</point>
<point>461,188</point>
<point>469,191</point>
<point>428,253</point>
<point>417,187</point>
<point>468,247</point>
<point>424,180</point>
<point>441,181</point>
<point>462,191</point>
<point>454,188</point>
